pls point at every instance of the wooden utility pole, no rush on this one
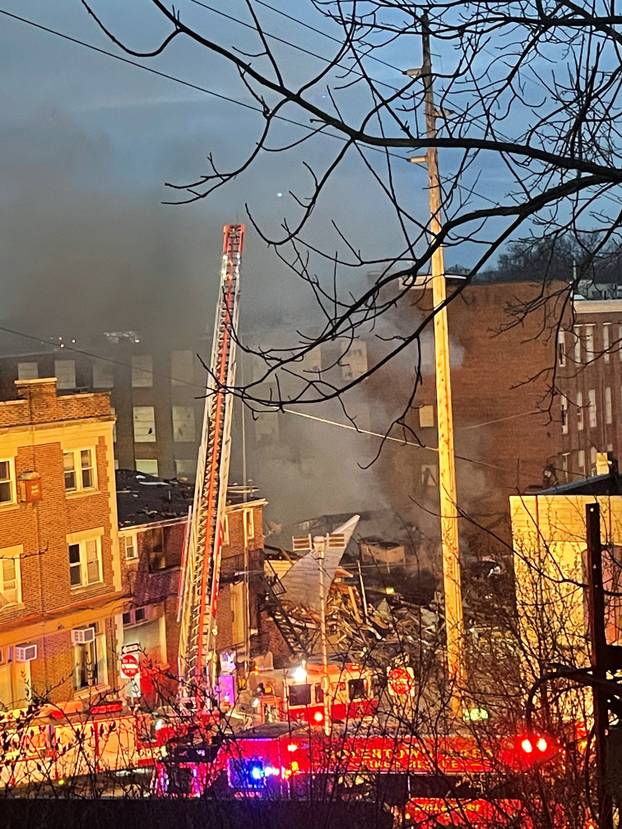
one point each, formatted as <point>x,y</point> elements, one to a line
<point>600,658</point>
<point>454,622</point>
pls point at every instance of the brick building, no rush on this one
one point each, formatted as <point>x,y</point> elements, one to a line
<point>589,377</point>
<point>61,588</point>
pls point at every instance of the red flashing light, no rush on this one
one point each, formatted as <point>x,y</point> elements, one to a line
<point>542,744</point>
<point>292,747</point>
<point>526,745</point>
<point>318,716</point>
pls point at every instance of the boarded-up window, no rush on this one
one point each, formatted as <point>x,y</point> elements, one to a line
<point>149,466</point>
<point>27,371</point>
<point>183,423</point>
<point>182,367</point>
<point>103,374</point>
<point>426,417</point>
<point>144,424</point>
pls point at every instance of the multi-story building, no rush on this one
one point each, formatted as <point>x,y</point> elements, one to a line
<point>61,592</point>
<point>155,389</point>
<point>589,378</point>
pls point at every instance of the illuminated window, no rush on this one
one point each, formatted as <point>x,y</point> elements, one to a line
<point>249,525</point>
<point>149,466</point>
<point>7,482</point>
<point>606,342</point>
<point>85,562</point>
<point>561,349</point>
<point>593,414</point>
<point>103,374</point>
<point>225,530</point>
<point>27,371</point>
<point>79,468</point>
<point>426,416</point>
<point>581,461</point>
<point>65,373</point>
<point>142,371</point>
<point>10,576</point>
<point>144,424</point>
<point>589,343</point>
<point>577,344</point>
<point>183,423</point>
<point>131,547</point>
<point>564,415</point>
<point>182,367</point>
<point>608,406</point>
<point>579,411</point>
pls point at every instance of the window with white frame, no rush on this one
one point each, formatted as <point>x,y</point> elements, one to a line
<point>590,352</point>
<point>606,342</point>
<point>148,466</point>
<point>593,414</point>
<point>135,617</point>
<point>182,367</point>
<point>131,547</point>
<point>144,424</point>
<point>183,423</point>
<point>249,525</point>
<point>7,482</point>
<point>608,406</point>
<point>142,371</point>
<point>579,411</point>
<point>79,468</point>
<point>10,576</point>
<point>103,374</point>
<point>65,373</point>
<point>561,348</point>
<point>577,344</point>
<point>85,562</point>
<point>27,371</point>
<point>563,405</point>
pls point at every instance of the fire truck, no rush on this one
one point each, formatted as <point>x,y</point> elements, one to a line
<point>296,695</point>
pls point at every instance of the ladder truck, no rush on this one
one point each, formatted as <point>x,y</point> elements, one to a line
<point>201,566</point>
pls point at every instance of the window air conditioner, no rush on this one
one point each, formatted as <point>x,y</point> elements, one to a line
<point>82,636</point>
<point>25,653</point>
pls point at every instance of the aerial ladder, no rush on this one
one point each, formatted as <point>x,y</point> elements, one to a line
<point>201,566</point>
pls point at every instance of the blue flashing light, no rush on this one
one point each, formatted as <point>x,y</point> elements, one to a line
<point>256,772</point>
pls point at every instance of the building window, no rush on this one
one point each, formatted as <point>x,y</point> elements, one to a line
<point>185,468</point>
<point>606,342</point>
<point>182,368</point>
<point>579,411</point>
<point>148,466</point>
<point>183,423</point>
<point>103,374</point>
<point>113,412</point>
<point>608,406</point>
<point>7,482</point>
<point>563,406</point>
<point>14,681</point>
<point>144,424</point>
<point>225,530</point>
<point>131,547</point>
<point>577,344</point>
<point>88,662</point>
<point>589,343</point>
<point>27,371</point>
<point>593,414</point>
<point>135,617</point>
<point>564,460</point>
<point>592,460</point>
<point>85,562</point>
<point>581,461</point>
<point>426,417</point>
<point>79,469</point>
<point>142,371</point>
<point>153,546</point>
<point>249,525</point>
<point>561,349</point>
<point>65,372</point>
<point>429,475</point>
<point>10,577</point>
